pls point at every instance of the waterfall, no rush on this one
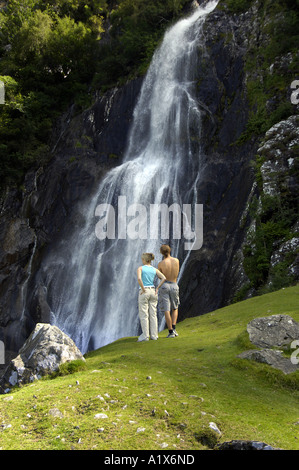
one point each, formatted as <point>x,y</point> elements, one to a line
<point>91,279</point>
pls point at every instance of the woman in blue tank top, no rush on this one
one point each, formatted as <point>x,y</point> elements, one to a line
<point>148,297</point>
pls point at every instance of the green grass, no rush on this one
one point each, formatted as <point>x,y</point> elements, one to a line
<point>194,379</point>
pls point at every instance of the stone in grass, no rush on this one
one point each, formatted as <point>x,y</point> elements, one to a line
<point>100,416</point>
<point>56,413</point>
<point>214,428</point>
<point>140,430</point>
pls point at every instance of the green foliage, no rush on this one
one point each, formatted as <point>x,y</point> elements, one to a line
<point>137,26</point>
<point>79,10</point>
<point>48,61</point>
<point>68,368</point>
<point>280,276</point>
<point>15,14</point>
<point>267,89</point>
<point>30,41</point>
<point>284,31</point>
<point>52,54</point>
<point>238,6</point>
<point>273,221</point>
<point>207,437</point>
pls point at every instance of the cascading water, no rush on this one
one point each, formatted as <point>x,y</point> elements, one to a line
<point>91,284</point>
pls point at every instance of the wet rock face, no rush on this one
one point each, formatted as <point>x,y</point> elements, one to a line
<point>32,219</point>
<point>215,272</point>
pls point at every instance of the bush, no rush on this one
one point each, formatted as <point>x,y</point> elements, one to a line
<point>49,65</point>
<point>68,368</point>
<point>238,6</point>
<point>207,437</point>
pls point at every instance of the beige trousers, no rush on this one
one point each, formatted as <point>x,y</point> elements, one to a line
<point>147,304</point>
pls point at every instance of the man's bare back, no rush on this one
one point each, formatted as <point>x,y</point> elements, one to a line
<point>170,268</point>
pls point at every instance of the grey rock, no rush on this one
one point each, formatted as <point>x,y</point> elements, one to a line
<point>272,357</point>
<point>55,413</point>
<point>274,330</point>
<point>244,445</point>
<point>269,332</point>
<point>290,246</point>
<point>279,151</point>
<point>46,348</point>
<point>100,416</point>
<point>214,427</point>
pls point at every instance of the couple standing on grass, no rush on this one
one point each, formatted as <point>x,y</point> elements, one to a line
<point>168,270</point>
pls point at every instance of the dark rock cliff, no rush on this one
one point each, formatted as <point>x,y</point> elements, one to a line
<point>213,276</point>
<point>86,145</point>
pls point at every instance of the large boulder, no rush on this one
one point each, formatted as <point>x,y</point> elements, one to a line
<point>272,332</point>
<point>275,330</point>
<point>46,348</point>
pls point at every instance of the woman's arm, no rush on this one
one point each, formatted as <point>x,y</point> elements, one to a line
<point>162,277</point>
<point>139,271</point>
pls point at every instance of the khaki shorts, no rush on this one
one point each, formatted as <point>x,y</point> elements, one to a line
<point>169,296</point>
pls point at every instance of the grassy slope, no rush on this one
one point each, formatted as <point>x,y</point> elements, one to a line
<point>195,379</point>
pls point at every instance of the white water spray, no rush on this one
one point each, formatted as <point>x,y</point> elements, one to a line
<point>92,284</point>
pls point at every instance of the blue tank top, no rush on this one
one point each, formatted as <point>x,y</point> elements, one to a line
<point>148,275</point>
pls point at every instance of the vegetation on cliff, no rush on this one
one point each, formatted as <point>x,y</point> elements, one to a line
<point>58,52</point>
<point>271,65</point>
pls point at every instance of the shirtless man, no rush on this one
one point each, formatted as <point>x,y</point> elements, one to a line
<point>169,292</point>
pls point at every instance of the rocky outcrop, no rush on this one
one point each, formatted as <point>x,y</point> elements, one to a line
<point>272,332</point>
<point>280,167</point>
<point>280,182</point>
<point>46,348</point>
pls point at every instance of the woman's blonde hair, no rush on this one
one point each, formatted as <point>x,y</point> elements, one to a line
<point>148,257</point>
